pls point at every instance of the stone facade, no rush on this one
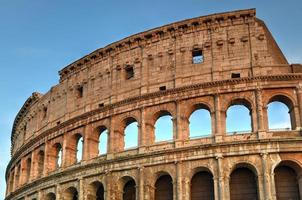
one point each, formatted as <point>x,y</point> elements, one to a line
<point>210,62</point>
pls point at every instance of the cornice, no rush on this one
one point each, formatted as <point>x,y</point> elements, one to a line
<point>85,116</point>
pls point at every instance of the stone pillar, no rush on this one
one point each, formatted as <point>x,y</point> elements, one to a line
<point>142,132</point>
<point>219,121</point>
<point>90,145</point>
<point>141,183</point>
<point>260,115</point>
<point>179,180</point>
<point>265,177</point>
<point>187,188</point>
<point>59,195</point>
<point>299,178</point>
<point>299,101</point>
<point>219,186</point>
<point>81,189</point>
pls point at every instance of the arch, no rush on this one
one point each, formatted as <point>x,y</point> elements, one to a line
<point>28,169</point>
<point>50,196</point>
<point>41,158</point>
<point>58,155</point>
<point>71,193</point>
<point>163,126</point>
<point>96,191</point>
<point>130,125</point>
<point>287,180</point>
<point>239,110</point>
<point>164,187</point>
<point>202,185</point>
<point>129,188</point>
<point>243,183</point>
<point>200,122</point>
<point>79,147</point>
<point>103,140</point>
<point>280,113</point>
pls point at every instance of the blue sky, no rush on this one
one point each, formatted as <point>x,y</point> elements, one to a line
<point>38,38</point>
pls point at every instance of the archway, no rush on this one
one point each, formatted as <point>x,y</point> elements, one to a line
<point>50,196</point>
<point>71,194</point>
<point>129,190</point>
<point>202,186</point>
<point>286,181</point>
<point>130,133</point>
<point>200,122</point>
<point>163,127</point>
<point>164,188</point>
<point>103,140</point>
<point>243,184</point>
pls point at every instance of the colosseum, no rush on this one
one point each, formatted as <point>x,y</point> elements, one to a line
<point>206,64</point>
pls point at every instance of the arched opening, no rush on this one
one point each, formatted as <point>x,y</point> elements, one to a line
<point>163,127</point>
<point>11,180</point>
<point>280,111</point>
<point>103,140</point>
<point>59,155</point>
<point>40,163</point>
<point>130,133</point>
<point>28,169</point>
<point>96,191</point>
<point>286,181</point>
<point>71,194</point>
<point>164,188</point>
<point>202,186</point>
<point>200,122</point>
<point>18,174</point>
<point>50,196</point>
<point>129,190</point>
<point>243,184</point>
<point>238,117</point>
<point>79,147</point>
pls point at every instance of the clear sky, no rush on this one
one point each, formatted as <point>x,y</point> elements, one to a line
<point>38,38</point>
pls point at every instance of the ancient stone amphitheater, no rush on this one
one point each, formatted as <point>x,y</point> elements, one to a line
<point>208,63</point>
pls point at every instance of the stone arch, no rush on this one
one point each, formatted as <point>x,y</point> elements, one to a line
<point>163,186</point>
<point>50,196</point>
<point>40,163</point>
<point>202,184</point>
<point>288,180</point>
<point>28,169</point>
<point>243,182</point>
<point>71,193</point>
<point>162,119</point>
<point>245,106</point>
<point>96,191</point>
<point>103,139</point>
<point>55,156</point>
<point>127,185</point>
<point>286,100</point>
<point>75,148</point>
<point>131,132</point>
<point>200,120</point>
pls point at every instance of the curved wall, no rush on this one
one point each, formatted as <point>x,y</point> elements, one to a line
<point>210,62</point>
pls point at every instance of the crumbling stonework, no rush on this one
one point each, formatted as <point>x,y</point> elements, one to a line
<point>210,62</point>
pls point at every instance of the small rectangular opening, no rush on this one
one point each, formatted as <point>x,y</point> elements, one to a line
<point>197,56</point>
<point>80,91</point>
<point>162,88</point>
<point>44,112</point>
<point>101,105</point>
<point>58,122</point>
<point>235,75</point>
<point>129,72</point>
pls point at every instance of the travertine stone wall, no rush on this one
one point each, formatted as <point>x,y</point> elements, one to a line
<point>94,94</point>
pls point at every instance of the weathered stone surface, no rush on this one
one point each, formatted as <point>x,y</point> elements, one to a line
<point>142,78</point>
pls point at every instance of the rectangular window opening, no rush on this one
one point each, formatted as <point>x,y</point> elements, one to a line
<point>162,88</point>
<point>80,91</point>
<point>101,105</point>
<point>235,75</point>
<point>197,56</point>
<point>129,72</point>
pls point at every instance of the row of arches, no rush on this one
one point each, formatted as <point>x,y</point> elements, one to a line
<point>243,184</point>
<point>200,124</point>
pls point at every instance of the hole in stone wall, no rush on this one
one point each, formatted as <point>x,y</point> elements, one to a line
<point>235,75</point>
<point>197,56</point>
<point>129,72</point>
<point>162,88</point>
<point>80,91</point>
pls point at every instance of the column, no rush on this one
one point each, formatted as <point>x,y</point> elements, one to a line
<point>179,190</point>
<point>81,189</point>
<point>299,100</point>
<point>260,115</point>
<point>219,191</point>
<point>219,121</point>
<point>265,177</point>
<point>141,183</point>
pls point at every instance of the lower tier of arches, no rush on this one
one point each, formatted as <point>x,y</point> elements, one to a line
<point>251,172</point>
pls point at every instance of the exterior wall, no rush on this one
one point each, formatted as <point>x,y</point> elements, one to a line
<point>234,42</point>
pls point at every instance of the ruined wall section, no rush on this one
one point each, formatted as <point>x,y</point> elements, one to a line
<point>161,58</point>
